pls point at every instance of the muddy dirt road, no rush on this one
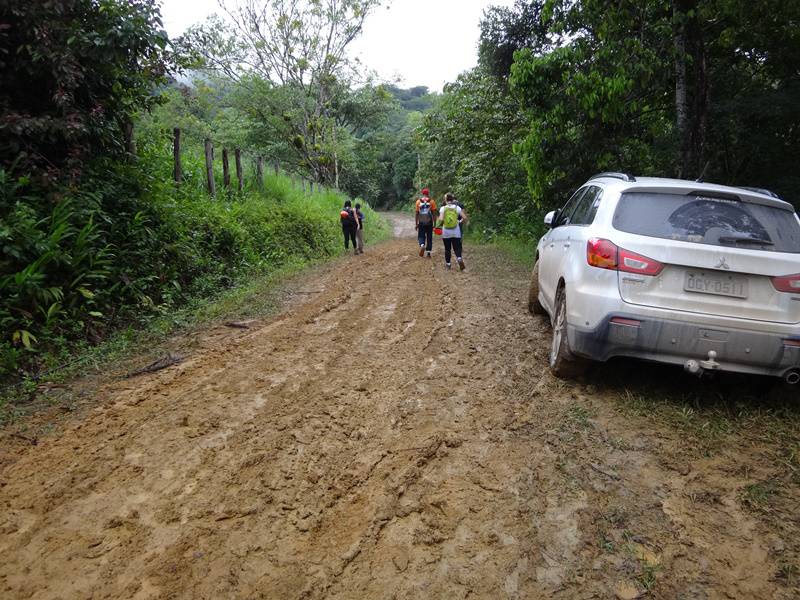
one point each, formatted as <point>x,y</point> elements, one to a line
<point>394,433</point>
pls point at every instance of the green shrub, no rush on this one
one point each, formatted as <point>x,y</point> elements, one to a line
<point>128,244</point>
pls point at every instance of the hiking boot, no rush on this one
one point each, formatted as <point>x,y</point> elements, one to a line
<point>422,251</point>
<point>461,264</point>
<point>428,254</point>
<point>447,266</point>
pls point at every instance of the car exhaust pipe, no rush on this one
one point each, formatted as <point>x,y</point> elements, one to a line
<point>792,377</point>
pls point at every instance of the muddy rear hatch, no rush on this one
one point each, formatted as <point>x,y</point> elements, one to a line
<point>719,256</point>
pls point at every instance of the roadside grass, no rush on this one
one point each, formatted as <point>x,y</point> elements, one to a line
<point>757,495</point>
<point>521,250</point>
<point>760,409</point>
<point>258,296</point>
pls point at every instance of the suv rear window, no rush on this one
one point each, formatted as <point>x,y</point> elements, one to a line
<point>707,220</point>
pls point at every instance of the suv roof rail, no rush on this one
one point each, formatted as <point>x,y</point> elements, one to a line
<point>623,176</point>
<point>764,191</point>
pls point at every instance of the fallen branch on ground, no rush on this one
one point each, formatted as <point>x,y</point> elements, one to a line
<point>162,363</point>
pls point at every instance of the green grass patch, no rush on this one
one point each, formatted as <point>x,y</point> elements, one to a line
<point>521,250</point>
<point>758,495</point>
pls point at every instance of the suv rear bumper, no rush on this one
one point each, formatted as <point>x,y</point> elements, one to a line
<point>672,341</point>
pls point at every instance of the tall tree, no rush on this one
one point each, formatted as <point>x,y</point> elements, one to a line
<point>72,75</point>
<point>293,50</point>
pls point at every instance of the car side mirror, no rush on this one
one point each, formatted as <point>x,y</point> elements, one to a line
<point>550,218</point>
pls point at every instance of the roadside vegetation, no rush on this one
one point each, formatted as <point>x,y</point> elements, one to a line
<point>564,90</point>
<point>97,236</point>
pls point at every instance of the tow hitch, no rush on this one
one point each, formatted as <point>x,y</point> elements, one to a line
<point>699,367</point>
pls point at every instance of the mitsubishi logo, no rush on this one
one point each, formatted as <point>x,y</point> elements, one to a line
<point>723,264</point>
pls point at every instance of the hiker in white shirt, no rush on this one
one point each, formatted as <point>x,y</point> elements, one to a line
<point>451,217</point>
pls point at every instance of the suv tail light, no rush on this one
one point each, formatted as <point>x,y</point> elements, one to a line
<point>605,254</point>
<point>787,283</point>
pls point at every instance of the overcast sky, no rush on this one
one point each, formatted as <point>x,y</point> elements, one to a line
<point>423,42</point>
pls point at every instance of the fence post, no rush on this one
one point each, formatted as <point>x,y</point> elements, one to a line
<point>260,172</point>
<point>226,172</point>
<point>212,188</point>
<point>239,174</point>
<point>277,168</point>
<point>177,172</point>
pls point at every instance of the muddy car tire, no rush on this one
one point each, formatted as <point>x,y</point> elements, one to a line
<point>563,363</point>
<point>534,306</point>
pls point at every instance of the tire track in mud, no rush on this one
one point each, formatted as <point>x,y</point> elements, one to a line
<point>394,434</point>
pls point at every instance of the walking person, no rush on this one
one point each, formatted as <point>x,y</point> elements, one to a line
<point>360,229</point>
<point>423,219</point>
<point>451,218</point>
<point>349,221</point>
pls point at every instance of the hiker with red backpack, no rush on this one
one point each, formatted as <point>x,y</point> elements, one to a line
<point>349,219</point>
<point>423,217</point>
<point>451,218</point>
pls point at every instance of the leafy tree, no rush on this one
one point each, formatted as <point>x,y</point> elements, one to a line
<point>666,88</point>
<point>467,145</point>
<point>292,54</point>
<point>596,102</point>
<point>73,73</point>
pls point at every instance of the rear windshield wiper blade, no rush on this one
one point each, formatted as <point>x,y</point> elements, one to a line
<point>734,239</point>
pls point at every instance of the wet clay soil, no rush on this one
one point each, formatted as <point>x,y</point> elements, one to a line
<point>394,433</point>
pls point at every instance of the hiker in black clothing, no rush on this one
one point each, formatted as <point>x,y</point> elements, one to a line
<point>349,221</point>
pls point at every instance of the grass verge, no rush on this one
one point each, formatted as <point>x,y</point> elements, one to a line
<point>259,295</point>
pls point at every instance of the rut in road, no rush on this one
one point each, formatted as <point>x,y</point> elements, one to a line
<point>393,434</point>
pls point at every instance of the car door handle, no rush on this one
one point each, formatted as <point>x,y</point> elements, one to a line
<point>566,245</point>
<point>552,244</point>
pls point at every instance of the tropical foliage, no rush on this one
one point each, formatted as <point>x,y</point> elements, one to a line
<point>565,89</point>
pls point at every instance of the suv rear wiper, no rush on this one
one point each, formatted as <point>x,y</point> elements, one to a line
<point>744,239</point>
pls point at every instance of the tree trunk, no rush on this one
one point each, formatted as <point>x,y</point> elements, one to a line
<point>177,172</point>
<point>691,89</point>
<point>239,174</point>
<point>700,107</point>
<point>226,170</point>
<point>335,159</point>
<point>212,188</point>
<point>681,103</point>
<point>130,141</point>
<point>260,172</point>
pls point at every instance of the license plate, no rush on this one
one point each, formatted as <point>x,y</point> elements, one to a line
<point>718,285</point>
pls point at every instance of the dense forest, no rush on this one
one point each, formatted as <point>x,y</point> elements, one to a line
<point>98,232</point>
<point>564,89</point>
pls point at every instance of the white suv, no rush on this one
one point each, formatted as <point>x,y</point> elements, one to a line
<point>701,275</point>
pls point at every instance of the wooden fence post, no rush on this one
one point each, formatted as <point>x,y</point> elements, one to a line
<point>239,174</point>
<point>212,188</point>
<point>260,172</point>
<point>177,172</point>
<point>277,166</point>
<point>226,172</point>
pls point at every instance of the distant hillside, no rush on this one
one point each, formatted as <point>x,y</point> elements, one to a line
<point>417,98</point>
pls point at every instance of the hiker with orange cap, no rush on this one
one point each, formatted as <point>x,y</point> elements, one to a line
<point>423,217</point>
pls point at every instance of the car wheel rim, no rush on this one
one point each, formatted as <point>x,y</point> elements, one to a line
<point>558,328</point>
